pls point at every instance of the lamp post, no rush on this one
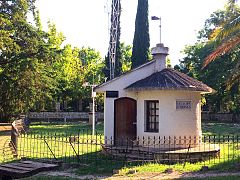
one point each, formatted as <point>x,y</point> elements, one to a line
<point>86,84</point>
<point>160,26</point>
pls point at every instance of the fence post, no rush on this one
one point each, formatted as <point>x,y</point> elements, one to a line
<point>14,138</point>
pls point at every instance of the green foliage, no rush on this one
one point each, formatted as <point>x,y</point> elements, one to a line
<point>168,62</point>
<point>226,38</point>
<point>218,72</point>
<point>92,73</point>
<point>141,41</point>
<point>24,60</point>
<point>36,70</point>
<point>126,53</point>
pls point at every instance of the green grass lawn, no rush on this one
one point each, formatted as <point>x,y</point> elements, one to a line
<point>68,128</point>
<point>105,165</point>
<point>208,128</point>
<point>215,128</point>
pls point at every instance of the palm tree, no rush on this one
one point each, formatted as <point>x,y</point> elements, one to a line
<point>227,38</point>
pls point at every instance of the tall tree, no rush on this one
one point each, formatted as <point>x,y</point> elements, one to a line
<point>24,59</point>
<point>226,38</point>
<point>92,72</point>
<point>117,31</point>
<point>126,53</point>
<point>216,73</point>
<point>141,41</point>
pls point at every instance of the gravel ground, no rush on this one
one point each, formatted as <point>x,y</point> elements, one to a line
<point>140,176</point>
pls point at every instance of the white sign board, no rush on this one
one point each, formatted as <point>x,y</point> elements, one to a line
<point>183,104</point>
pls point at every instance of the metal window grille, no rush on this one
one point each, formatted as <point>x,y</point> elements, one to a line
<point>152,116</point>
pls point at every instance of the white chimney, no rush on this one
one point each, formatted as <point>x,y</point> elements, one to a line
<point>159,54</point>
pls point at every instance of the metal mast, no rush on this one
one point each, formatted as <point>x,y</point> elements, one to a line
<point>114,32</point>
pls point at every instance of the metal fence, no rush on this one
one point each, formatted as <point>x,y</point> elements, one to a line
<point>83,148</point>
<point>66,148</point>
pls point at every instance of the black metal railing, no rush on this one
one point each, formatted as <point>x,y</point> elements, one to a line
<point>84,148</point>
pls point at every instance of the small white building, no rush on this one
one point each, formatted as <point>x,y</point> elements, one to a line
<point>153,101</point>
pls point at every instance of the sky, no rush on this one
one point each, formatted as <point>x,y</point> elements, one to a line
<point>86,22</point>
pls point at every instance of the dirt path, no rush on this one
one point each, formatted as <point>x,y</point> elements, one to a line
<point>140,176</point>
<point>5,127</point>
<point>5,135</point>
<point>5,132</point>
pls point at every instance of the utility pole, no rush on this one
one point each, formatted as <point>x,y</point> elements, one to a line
<point>87,84</point>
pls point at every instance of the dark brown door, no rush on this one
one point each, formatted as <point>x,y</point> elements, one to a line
<point>125,120</point>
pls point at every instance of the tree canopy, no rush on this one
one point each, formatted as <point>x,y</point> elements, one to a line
<point>36,70</point>
<point>217,73</point>
<point>226,38</point>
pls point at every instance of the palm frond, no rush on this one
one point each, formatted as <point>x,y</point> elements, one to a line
<point>231,4</point>
<point>235,76</point>
<point>222,49</point>
<point>227,30</point>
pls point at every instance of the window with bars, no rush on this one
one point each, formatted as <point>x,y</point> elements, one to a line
<point>152,116</point>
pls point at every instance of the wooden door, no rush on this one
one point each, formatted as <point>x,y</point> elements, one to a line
<point>125,129</point>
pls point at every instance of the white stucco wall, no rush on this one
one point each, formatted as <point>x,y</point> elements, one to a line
<point>119,84</point>
<point>172,122</point>
<point>108,116</point>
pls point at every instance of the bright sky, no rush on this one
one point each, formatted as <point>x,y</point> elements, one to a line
<point>85,22</point>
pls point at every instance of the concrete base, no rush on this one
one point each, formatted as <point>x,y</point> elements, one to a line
<point>133,153</point>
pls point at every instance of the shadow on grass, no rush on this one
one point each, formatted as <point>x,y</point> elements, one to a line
<point>99,163</point>
<point>106,165</point>
<point>227,166</point>
<point>213,172</point>
<point>95,163</point>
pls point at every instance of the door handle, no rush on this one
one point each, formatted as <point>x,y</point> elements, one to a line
<point>134,123</point>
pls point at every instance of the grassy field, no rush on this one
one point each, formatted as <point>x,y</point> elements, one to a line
<point>213,128</point>
<point>68,128</point>
<point>105,165</point>
<point>210,128</point>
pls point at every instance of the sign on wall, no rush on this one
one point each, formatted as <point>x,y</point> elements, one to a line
<point>111,94</point>
<point>183,104</point>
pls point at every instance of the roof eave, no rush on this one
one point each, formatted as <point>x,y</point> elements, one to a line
<point>175,89</point>
<point>128,72</point>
